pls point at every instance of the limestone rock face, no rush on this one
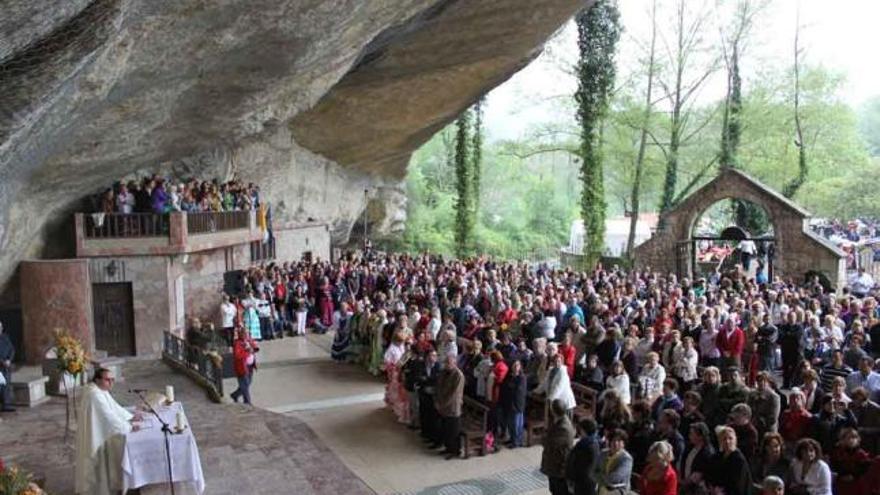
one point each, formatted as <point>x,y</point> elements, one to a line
<point>316,100</point>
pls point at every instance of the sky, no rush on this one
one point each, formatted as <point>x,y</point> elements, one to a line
<point>841,35</point>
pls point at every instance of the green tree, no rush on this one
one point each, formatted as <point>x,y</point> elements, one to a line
<point>869,124</point>
<point>792,186</point>
<point>598,33</point>
<point>464,213</point>
<point>477,154</point>
<point>748,216</point>
<point>691,61</point>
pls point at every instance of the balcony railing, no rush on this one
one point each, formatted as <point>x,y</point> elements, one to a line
<point>116,234</point>
<point>115,225</point>
<point>195,362</point>
<point>210,221</point>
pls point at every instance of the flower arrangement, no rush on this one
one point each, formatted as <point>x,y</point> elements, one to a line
<point>72,358</point>
<point>15,481</point>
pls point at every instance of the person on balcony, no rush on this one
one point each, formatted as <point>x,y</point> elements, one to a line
<point>159,199</point>
<point>124,199</point>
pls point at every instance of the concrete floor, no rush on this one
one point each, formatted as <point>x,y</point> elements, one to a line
<point>344,406</point>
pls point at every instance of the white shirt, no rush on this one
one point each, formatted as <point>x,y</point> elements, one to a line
<point>747,247</point>
<point>862,283</point>
<point>651,381</point>
<point>101,426</point>
<point>434,327</point>
<point>685,363</point>
<point>817,480</point>
<point>264,308</point>
<point>620,385</point>
<point>558,386</point>
<point>227,314</point>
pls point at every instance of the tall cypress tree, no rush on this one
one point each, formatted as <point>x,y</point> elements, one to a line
<point>464,213</point>
<point>598,33</point>
<point>731,128</point>
<point>477,154</point>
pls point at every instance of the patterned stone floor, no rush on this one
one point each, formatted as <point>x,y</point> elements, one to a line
<point>515,482</point>
<point>244,450</point>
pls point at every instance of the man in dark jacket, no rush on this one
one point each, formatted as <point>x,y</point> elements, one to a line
<point>513,403</point>
<point>582,465</point>
<point>557,444</point>
<point>448,401</point>
<point>766,340</point>
<point>425,376</point>
<point>7,354</point>
<point>791,344</point>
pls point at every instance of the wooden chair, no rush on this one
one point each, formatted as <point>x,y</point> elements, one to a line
<point>585,398</point>
<point>535,418</point>
<point>474,425</point>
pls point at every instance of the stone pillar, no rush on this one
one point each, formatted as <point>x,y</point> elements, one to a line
<point>55,294</point>
<point>178,231</point>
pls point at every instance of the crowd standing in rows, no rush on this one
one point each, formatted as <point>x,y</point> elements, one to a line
<point>686,373</point>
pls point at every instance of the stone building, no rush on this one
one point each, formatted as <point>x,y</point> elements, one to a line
<point>138,276</point>
<point>797,249</point>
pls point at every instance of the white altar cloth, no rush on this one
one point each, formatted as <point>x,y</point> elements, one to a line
<point>144,461</point>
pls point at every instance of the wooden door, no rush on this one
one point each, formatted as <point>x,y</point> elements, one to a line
<point>114,318</point>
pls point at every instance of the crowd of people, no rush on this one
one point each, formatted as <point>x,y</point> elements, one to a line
<point>160,195</point>
<point>723,386</point>
<point>853,230</point>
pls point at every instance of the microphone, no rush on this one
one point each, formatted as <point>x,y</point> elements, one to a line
<point>137,390</point>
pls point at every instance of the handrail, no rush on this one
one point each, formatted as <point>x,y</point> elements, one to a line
<point>203,367</point>
<point>207,222</point>
<point>116,225</point>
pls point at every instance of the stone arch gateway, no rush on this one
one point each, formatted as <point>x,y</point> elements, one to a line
<point>798,250</point>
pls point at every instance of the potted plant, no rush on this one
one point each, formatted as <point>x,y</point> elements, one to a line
<point>16,481</point>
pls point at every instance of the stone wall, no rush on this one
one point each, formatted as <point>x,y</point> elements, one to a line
<point>153,293</point>
<point>55,295</point>
<point>797,250</point>
<point>290,244</point>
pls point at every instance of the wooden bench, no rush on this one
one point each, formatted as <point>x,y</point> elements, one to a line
<point>474,426</point>
<point>535,418</point>
<point>585,398</point>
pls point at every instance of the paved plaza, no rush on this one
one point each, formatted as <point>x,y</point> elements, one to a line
<point>319,427</point>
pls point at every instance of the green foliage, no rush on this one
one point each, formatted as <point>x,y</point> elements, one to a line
<point>464,218</point>
<point>731,129</point>
<point>477,155</point>
<point>527,212</point>
<point>869,124</point>
<point>598,33</point>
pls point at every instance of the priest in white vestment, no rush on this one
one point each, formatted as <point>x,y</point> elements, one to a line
<point>100,437</point>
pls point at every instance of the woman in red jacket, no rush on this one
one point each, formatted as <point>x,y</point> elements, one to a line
<point>659,477</point>
<point>730,341</point>
<point>499,373</point>
<point>568,352</point>
<point>243,363</point>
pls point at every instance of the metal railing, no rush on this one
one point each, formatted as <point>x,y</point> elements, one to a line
<point>116,225</point>
<point>200,365</point>
<point>215,221</point>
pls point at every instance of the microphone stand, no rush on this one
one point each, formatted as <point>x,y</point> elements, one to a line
<point>166,429</point>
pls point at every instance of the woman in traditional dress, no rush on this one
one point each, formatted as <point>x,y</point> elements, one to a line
<point>395,395</point>
<point>377,324</point>
<point>342,341</point>
<point>325,303</point>
<point>251,318</point>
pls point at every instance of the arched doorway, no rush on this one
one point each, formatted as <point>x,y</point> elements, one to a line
<point>733,234</point>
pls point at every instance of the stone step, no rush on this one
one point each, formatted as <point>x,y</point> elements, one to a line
<point>29,391</point>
